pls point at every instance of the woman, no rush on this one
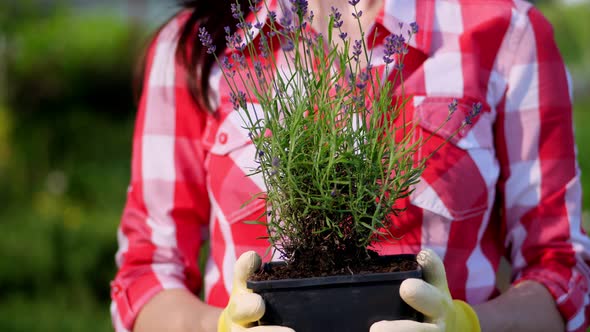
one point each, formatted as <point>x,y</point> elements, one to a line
<point>507,188</point>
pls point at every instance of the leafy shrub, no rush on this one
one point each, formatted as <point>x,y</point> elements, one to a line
<point>65,138</point>
<point>71,60</point>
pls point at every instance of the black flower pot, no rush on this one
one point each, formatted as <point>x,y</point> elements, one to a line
<point>348,303</point>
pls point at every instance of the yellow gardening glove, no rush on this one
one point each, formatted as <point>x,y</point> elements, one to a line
<point>244,307</point>
<point>431,297</point>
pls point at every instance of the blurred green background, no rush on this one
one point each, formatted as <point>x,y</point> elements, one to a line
<point>66,118</point>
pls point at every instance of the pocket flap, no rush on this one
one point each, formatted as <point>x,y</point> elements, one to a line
<point>432,114</point>
<point>452,184</point>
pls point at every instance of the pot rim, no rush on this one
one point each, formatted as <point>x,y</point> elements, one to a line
<point>360,278</point>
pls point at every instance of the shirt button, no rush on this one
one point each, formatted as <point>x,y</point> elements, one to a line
<point>116,290</point>
<point>223,138</point>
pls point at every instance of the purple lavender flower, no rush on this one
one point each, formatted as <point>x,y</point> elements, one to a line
<point>239,59</point>
<point>343,35</point>
<point>310,16</point>
<point>276,162</point>
<point>258,70</point>
<point>286,19</point>
<point>335,192</point>
<point>317,39</point>
<point>452,108</point>
<point>363,80</point>
<point>254,9</point>
<point>346,109</point>
<point>414,27</point>
<point>263,46</point>
<point>238,100</point>
<point>404,49</point>
<point>227,65</point>
<point>288,45</point>
<point>350,79</point>
<point>387,59</point>
<point>236,11</point>
<point>234,41</point>
<point>357,15</point>
<point>228,37</point>
<point>475,110</point>
<point>394,44</point>
<point>337,17</point>
<point>390,48</point>
<point>244,25</point>
<point>353,2</point>
<point>357,49</point>
<point>400,42</point>
<point>299,6</point>
<point>272,16</point>
<point>206,40</point>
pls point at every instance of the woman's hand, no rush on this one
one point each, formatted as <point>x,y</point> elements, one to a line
<point>245,307</point>
<point>176,310</point>
<point>432,298</point>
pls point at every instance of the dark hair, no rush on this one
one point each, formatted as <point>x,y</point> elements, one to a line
<point>214,16</point>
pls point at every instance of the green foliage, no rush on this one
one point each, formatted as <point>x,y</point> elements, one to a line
<point>572,30</point>
<point>64,59</point>
<point>58,310</point>
<point>65,138</point>
<point>60,225</point>
<point>572,33</point>
<point>582,126</point>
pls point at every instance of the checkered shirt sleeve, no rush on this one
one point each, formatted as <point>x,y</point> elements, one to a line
<point>167,204</point>
<point>540,178</point>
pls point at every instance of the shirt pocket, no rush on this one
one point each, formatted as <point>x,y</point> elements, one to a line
<point>231,160</point>
<point>462,171</point>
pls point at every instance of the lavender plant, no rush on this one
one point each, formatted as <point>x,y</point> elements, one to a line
<point>333,145</point>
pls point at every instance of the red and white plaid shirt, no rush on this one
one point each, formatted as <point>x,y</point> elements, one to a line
<point>508,186</point>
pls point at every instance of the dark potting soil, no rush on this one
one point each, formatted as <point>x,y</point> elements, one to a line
<point>322,265</point>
